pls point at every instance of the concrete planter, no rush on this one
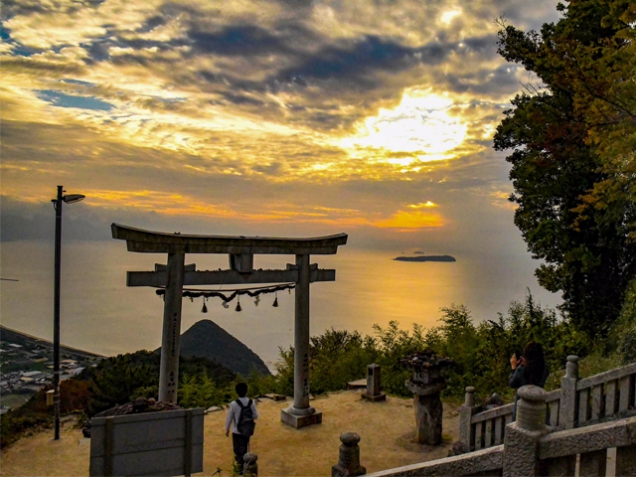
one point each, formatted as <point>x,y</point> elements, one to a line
<point>153,443</point>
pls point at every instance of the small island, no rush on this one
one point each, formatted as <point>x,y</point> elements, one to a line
<point>427,258</point>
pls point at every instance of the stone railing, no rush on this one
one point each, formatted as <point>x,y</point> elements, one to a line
<point>532,448</point>
<point>579,402</point>
<point>605,396</point>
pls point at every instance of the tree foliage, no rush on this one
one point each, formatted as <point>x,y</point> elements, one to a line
<point>573,143</point>
<point>624,332</point>
<point>481,351</point>
<point>122,378</point>
<point>199,391</point>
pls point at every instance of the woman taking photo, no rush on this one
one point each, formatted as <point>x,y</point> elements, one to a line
<point>529,369</point>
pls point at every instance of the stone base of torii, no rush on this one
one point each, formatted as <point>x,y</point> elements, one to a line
<point>241,252</point>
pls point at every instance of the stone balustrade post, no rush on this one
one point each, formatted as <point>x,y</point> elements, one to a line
<point>349,458</point>
<point>522,436</point>
<point>250,467</point>
<point>567,404</point>
<point>465,416</point>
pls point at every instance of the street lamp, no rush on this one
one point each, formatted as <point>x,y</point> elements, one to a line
<point>57,204</point>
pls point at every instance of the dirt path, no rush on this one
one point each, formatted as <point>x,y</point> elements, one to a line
<point>386,431</point>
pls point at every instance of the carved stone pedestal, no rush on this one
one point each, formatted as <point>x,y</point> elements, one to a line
<point>428,418</point>
<point>297,421</point>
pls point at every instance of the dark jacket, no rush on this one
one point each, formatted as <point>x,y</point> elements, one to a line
<point>520,377</point>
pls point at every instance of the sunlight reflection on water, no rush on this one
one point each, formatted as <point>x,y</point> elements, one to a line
<point>101,314</point>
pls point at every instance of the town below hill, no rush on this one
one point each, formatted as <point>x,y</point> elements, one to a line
<point>26,362</point>
<point>26,365</point>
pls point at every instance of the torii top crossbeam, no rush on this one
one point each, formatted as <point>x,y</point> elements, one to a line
<point>146,241</point>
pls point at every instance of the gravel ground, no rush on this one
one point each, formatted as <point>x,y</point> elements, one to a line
<point>387,432</point>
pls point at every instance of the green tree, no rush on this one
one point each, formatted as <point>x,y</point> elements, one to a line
<point>393,345</point>
<point>198,390</point>
<point>116,379</point>
<point>337,357</point>
<point>572,186</point>
<point>624,332</point>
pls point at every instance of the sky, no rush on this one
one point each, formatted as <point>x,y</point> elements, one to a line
<point>299,118</point>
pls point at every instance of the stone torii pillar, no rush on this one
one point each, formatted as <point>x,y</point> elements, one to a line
<point>301,414</point>
<point>241,252</point>
<point>170,337</point>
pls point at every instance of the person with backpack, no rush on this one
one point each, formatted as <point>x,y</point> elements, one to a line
<point>240,417</point>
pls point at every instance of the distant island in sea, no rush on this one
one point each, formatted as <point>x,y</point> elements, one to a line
<point>427,258</point>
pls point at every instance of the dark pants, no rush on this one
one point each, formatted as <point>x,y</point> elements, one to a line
<point>240,444</point>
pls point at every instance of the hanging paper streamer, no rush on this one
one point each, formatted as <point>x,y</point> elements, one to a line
<point>252,292</point>
<point>238,305</point>
<point>205,308</point>
<point>275,304</point>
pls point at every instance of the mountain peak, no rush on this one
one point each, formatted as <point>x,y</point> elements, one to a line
<point>206,339</point>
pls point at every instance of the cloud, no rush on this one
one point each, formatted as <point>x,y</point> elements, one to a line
<point>237,40</point>
<point>354,60</point>
<point>286,116</point>
<point>408,220</point>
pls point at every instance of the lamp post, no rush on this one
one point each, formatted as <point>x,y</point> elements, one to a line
<point>57,204</point>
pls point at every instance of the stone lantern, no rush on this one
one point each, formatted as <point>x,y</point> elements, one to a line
<point>426,384</point>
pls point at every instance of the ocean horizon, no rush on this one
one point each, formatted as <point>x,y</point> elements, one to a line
<point>100,314</point>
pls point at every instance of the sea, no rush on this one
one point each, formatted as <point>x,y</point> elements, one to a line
<point>99,313</point>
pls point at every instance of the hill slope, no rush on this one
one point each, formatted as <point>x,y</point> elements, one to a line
<point>208,340</point>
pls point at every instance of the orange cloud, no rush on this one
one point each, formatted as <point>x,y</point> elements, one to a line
<point>410,221</point>
<point>176,204</point>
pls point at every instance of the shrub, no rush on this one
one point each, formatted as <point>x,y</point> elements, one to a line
<point>481,352</point>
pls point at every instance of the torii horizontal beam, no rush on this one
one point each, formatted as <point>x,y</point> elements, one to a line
<point>227,277</point>
<point>146,241</point>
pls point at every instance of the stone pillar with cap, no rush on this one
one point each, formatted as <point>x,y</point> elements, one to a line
<point>250,467</point>
<point>374,384</point>
<point>349,458</point>
<point>522,436</point>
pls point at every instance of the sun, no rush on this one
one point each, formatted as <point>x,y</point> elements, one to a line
<point>419,128</point>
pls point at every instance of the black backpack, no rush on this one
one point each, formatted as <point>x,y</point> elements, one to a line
<point>245,424</point>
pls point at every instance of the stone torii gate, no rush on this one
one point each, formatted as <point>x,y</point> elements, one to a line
<point>240,250</point>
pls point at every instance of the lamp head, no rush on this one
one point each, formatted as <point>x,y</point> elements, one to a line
<point>71,198</point>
